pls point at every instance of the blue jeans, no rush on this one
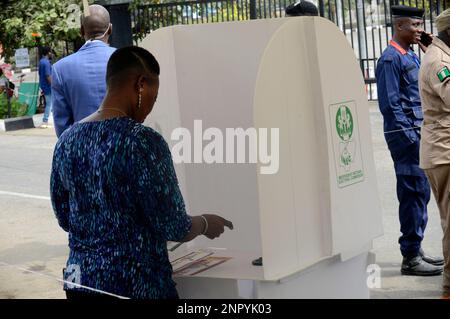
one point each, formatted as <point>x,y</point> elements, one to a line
<point>48,107</point>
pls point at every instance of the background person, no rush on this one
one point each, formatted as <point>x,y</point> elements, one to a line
<point>302,8</point>
<point>2,82</point>
<point>79,79</point>
<point>45,82</point>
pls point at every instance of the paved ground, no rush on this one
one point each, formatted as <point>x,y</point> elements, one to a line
<point>386,248</point>
<point>31,240</point>
<point>29,234</point>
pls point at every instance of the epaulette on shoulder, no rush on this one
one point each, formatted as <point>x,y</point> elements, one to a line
<point>388,58</point>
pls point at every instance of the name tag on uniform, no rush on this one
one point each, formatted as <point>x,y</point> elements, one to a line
<point>443,74</point>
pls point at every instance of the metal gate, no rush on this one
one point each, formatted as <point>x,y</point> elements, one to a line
<point>366,23</point>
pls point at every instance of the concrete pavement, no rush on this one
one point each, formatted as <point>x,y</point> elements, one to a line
<point>35,246</point>
<point>386,248</point>
<point>30,237</point>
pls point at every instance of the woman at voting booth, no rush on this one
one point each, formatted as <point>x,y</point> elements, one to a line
<point>115,191</point>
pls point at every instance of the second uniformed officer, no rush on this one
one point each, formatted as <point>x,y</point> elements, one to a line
<point>435,143</point>
<point>399,101</point>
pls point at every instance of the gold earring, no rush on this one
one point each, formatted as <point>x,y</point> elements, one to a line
<point>140,98</point>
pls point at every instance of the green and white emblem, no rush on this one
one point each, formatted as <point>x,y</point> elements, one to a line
<point>344,128</point>
<point>344,123</point>
<point>443,74</point>
<point>346,146</point>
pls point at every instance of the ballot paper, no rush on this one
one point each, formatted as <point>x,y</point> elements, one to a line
<point>188,258</point>
<point>195,262</point>
<point>201,265</point>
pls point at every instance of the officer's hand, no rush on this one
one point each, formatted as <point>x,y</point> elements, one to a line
<point>421,45</point>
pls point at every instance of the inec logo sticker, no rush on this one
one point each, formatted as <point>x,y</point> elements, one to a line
<point>346,146</point>
<point>344,123</point>
<point>344,128</point>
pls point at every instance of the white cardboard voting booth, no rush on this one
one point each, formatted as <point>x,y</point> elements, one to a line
<point>312,215</point>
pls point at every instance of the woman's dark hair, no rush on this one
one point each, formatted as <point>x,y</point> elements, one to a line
<point>130,60</point>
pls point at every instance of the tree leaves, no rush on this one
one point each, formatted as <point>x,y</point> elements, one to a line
<point>19,19</point>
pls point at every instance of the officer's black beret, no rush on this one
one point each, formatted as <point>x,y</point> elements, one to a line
<point>405,11</point>
<point>302,8</point>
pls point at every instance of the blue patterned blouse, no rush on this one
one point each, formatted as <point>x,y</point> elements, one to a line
<point>115,191</point>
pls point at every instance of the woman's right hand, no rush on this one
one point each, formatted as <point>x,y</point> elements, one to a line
<point>215,225</point>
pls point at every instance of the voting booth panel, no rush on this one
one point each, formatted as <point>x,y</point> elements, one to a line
<point>215,77</point>
<point>303,90</point>
<point>356,210</point>
<point>295,201</point>
<point>318,197</point>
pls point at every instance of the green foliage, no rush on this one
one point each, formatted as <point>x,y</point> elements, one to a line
<point>50,18</point>
<point>17,108</point>
<point>136,3</point>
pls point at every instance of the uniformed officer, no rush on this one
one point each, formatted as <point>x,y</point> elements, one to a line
<point>434,86</point>
<point>399,101</point>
